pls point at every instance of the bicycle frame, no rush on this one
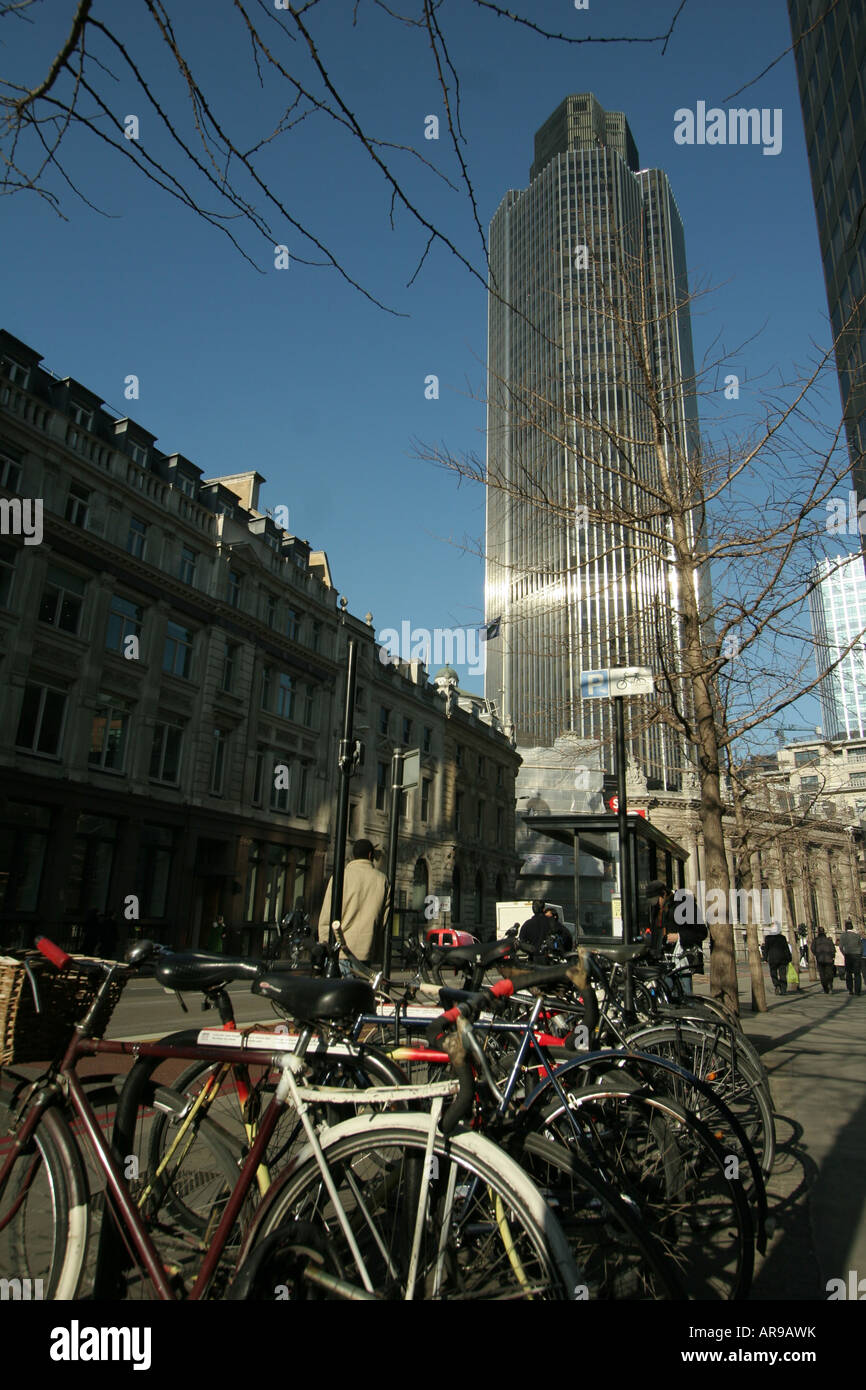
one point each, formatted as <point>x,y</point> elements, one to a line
<point>67,1084</point>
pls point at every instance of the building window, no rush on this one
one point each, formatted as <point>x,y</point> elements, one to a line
<point>479,898</point>
<point>480,765</point>
<point>229,666</point>
<point>407,731</point>
<point>285,696</point>
<point>139,454</point>
<point>23,844</point>
<point>427,741</point>
<point>165,753</point>
<point>267,684</point>
<point>384,720</point>
<point>479,821</point>
<point>108,735</point>
<point>310,706</point>
<point>217,762</point>
<point>270,610</point>
<point>458,812</point>
<point>188,562</point>
<point>177,657</point>
<point>280,780</point>
<point>293,624</point>
<point>381,785</point>
<point>153,872</point>
<point>185,485</point>
<point>88,876</point>
<point>7,571</point>
<point>500,822</point>
<point>316,637</point>
<point>808,784</point>
<point>458,756</point>
<point>499,775</point>
<point>259,778</point>
<point>234,593</point>
<point>301,791</point>
<point>40,726</point>
<point>77,503</point>
<point>17,373</point>
<point>426,784</point>
<point>10,473</point>
<point>81,416</point>
<point>62,600</point>
<point>456,895</point>
<point>124,620</point>
<point>857,779</point>
<point>136,537</point>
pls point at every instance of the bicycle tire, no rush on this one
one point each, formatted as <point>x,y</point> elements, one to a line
<point>618,1256</point>
<point>728,1068</point>
<point>666,1162</point>
<point>45,1241</point>
<point>510,1245</point>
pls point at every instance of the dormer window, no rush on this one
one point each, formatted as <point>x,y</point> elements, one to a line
<point>139,454</point>
<point>82,416</point>
<point>18,373</point>
<point>185,485</point>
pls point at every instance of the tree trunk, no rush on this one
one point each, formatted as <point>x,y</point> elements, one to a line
<point>756,970</point>
<point>744,864</point>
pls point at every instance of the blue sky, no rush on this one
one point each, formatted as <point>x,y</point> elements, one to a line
<point>294,372</point>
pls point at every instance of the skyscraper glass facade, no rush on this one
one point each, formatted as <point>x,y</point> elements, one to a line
<point>838,606</point>
<point>589,341</point>
<point>830,53</point>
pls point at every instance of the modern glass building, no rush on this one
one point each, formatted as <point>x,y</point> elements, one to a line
<point>830,52</point>
<point>838,605</point>
<point>577,543</point>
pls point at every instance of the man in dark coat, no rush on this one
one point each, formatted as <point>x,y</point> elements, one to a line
<point>778,956</point>
<point>851,948</point>
<point>535,928</point>
<point>825,953</point>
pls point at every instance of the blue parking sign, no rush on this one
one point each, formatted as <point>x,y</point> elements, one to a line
<point>594,685</point>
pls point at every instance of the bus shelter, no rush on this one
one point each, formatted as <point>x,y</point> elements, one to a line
<point>606,908</point>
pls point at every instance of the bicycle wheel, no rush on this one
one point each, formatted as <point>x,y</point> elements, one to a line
<point>44,1243</point>
<point>665,1162</point>
<point>617,1255</point>
<point>485,1232</point>
<point>727,1067</point>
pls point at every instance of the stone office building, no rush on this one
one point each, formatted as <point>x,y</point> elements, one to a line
<point>172,681</point>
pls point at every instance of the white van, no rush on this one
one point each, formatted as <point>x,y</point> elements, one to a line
<point>509,914</point>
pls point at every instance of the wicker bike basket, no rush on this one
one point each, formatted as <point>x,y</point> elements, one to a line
<point>65,997</point>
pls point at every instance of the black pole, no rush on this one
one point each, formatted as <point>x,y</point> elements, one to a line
<point>345,766</point>
<point>624,846</point>
<point>394,828</point>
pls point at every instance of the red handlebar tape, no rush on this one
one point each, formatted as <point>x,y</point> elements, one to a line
<point>53,953</point>
<point>501,990</point>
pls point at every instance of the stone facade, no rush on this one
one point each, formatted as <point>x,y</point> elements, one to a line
<point>172,687</point>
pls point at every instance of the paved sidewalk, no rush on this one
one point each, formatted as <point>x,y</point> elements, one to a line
<point>814,1047</point>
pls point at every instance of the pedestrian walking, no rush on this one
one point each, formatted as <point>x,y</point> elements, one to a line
<point>839,960</point>
<point>824,952</point>
<point>851,950</point>
<point>777,955</point>
<point>365,889</point>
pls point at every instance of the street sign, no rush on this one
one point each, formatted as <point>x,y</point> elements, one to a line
<point>411,769</point>
<point>616,680</point>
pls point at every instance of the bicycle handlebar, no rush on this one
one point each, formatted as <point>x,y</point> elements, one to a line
<point>55,954</point>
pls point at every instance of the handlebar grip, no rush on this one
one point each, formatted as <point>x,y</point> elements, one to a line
<point>462,1102</point>
<point>52,952</point>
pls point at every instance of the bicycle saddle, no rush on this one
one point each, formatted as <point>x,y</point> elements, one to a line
<point>200,970</point>
<point>620,953</point>
<point>308,999</point>
<point>483,954</point>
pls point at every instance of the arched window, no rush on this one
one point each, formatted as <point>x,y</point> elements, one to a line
<point>500,888</point>
<point>420,885</point>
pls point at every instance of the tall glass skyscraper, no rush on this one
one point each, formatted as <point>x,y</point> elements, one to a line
<point>589,339</point>
<point>830,52</point>
<point>838,605</point>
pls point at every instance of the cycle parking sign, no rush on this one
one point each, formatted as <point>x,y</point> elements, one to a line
<point>616,681</point>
